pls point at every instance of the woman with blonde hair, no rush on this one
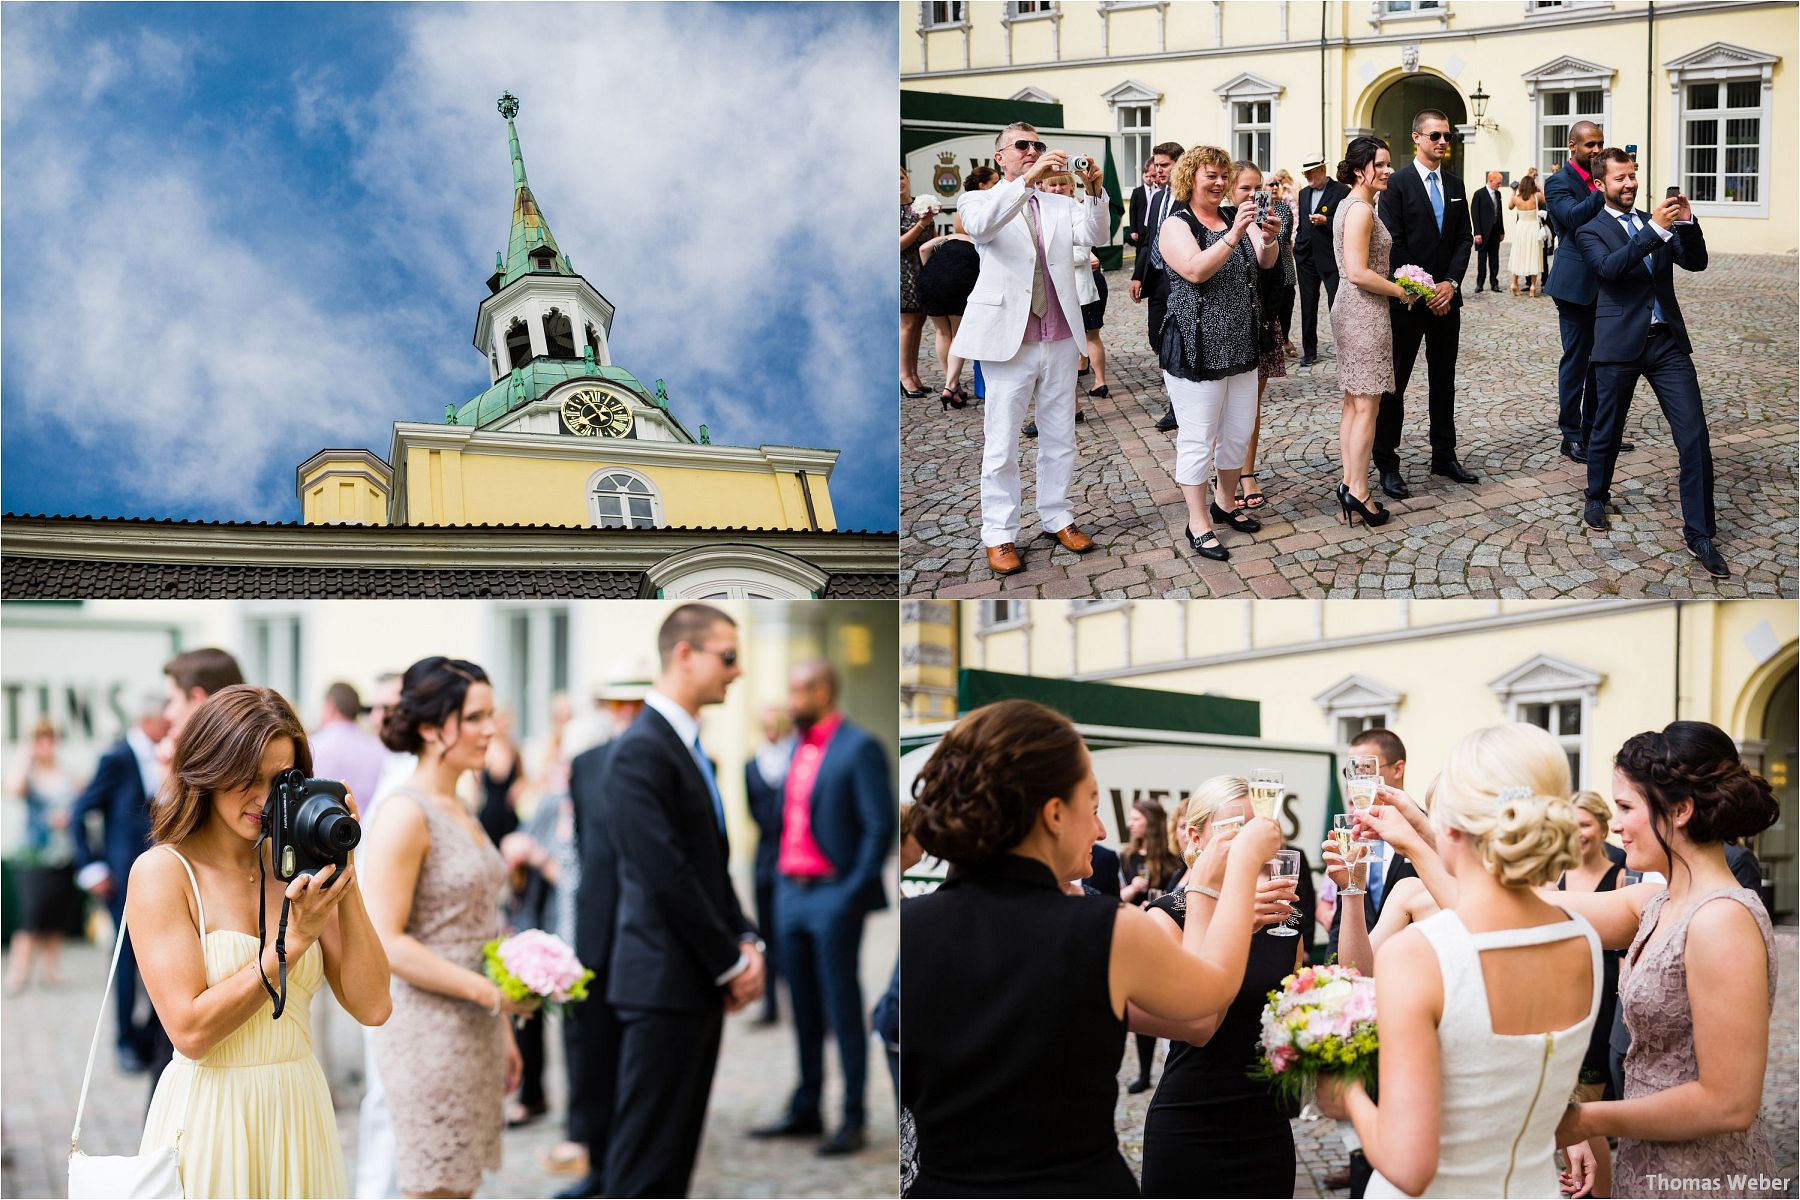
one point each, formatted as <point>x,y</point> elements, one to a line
<point>1211,1130</point>
<point>1210,340</point>
<point>244,1100</point>
<point>1528,236</point>
<point>1485,1008</point>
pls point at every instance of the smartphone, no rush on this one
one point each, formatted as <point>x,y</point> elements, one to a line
<point>1673,192</point>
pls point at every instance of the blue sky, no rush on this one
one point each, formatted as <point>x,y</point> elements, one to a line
<point>233,235</point>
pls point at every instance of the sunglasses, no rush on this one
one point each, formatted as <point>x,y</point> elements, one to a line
<point>1436,136</point>
<point>727,658</point>
<point>1022,146</point>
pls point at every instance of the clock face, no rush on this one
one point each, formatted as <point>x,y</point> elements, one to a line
<point>594,413</point>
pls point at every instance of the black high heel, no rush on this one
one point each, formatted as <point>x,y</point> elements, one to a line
<point>1102,392</point>
<point>1352,507</point>
<point>1236,519</point>
<point>912,395</point>
<point>1207,545</point>
<point>947,400</point>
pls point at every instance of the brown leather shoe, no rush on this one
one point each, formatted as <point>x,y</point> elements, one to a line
<point>1004,559</point>
<point>1072,539</point>
<point>1339,1178</point>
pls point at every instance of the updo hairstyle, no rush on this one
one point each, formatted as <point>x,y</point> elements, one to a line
<point>431,693</point>
<point>1507,788</point>
<point>1692,759</point>
<point>1360,154</point>
<point>1207,799</point>
<point>980,178</point>
<point>982,789</point>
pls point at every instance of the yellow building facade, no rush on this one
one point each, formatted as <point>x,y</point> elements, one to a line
<point>1592,672</point>
<point>1705,91</point>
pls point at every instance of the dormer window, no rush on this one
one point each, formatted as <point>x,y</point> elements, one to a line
<point>543,260</point>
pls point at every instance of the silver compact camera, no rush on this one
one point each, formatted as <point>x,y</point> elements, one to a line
<point>1079,163</point>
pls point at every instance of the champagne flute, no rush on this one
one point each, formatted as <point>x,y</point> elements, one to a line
<point>1343,832</point>
<point>1364,779</point>
<point>1286,865</point>
<point>1266,785</point>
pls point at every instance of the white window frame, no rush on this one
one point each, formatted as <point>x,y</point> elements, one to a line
<point>526,688</point>
<point>1245,88</point>
<point>1049,10</point>
<point>1546,679</point>
<point>592,494</point>
<point>1360,699</point>
<point>1436,10</point>
<point>1088,608</point>
<point>1724,64</point>
<point>1109,7</point>
<point>262,624</point>
<point>1565,74</point>
<point>1016,616</point>
<point>1133,95</point>
<point>1556,8</point>
<point>926,24</point>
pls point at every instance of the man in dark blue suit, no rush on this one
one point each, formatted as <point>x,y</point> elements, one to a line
<point>837,830</point>
<point>1574,198</point>
<point>763,778</point>
<point>123,786</point>
<point>1105,878</point>
<point>1638,332</point>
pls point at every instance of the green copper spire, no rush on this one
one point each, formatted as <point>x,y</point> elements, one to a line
<point>530,246</point>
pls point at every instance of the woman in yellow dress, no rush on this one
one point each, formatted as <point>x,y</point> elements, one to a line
<point>244,1100</point>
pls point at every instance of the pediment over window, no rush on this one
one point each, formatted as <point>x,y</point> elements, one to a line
<point>1245,84</point>
<point>1034,96</point>
<point>1722,54</point>
<point>1567,71</point>
<point>1358,693</point>
<point>1546,673</point>
<point>1131,92</point>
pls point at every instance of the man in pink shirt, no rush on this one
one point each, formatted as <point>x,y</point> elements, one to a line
<point>837,829</point>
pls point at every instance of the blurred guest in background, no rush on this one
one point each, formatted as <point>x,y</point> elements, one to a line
<point>764,775</point>
<point>502,780</point>
<point>344,750</point>
<point>914,229</point>
<point>49,902</point>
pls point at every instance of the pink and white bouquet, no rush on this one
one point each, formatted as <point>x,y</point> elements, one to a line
<point>535,963</point>
<point>1322,1021</point>
<point>1415,280</point>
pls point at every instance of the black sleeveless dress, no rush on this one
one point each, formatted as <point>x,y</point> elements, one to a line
<point>1211,1129</point>
<point>1009,1048</point>
<point>1597,1066</point>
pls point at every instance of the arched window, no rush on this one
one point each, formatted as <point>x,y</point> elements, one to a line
<point>518,343</point>
<point>593,338</point>
<point>621,499</point>
<point>559,338</point>
<point>731,572</point>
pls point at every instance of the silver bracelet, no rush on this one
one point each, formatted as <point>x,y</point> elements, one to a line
<point>1204,891</point>
<point>498,997</point>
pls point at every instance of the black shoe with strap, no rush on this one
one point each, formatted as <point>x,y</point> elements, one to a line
<point>1237,518</point>
<point>1351,507</point>
<point>1207,545</point>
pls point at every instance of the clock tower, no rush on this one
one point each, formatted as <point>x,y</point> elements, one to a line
<point>562,435</point>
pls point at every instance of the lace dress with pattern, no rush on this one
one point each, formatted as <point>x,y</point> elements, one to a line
<point>1655,998</point>
<point>442,1060</point>
<point>1359,319</point>
<point>1212,329</point>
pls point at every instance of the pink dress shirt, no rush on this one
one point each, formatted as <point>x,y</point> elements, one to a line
<point>800,854</point>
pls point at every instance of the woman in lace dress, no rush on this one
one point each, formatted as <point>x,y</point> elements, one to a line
<point>1209,340</point>
<point>1527,238</point>
<point>1691,1114</point>
<point>446,1055</point>
<point>1359,319</point>
<point>1486,1007</point>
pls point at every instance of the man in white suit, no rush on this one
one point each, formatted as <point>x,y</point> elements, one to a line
<point>1023,324</point>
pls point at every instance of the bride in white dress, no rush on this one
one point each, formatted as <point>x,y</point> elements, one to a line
<point>1484,1008</point>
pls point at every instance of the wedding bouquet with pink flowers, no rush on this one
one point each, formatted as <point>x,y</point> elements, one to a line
<point>1322,1021</point>
<point>1416,281</point>
<point>535,963</point>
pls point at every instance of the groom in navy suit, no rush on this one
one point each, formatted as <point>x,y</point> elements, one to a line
<point>1639,332</point>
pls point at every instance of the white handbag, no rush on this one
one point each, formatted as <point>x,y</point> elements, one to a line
<point>153,1176</point>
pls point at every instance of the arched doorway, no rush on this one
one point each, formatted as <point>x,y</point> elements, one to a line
<point>1392,115</point>
<point>1776,847</point>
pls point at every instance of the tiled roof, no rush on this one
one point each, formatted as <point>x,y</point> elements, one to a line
<point>438,529</point>
<point>75,579</point>
<point>862,587</point>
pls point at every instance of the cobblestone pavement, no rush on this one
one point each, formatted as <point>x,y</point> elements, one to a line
<point>1517,533</point>
<point>44,1041</point>
<point>1320,1149</point>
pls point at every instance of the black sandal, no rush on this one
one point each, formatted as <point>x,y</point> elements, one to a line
<point>1207,545</point>
<point>1251,499</point>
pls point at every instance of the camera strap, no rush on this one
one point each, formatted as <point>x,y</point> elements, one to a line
<point>262,917</point>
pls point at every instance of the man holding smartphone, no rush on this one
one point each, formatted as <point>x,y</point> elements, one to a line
<point>1639,332</point>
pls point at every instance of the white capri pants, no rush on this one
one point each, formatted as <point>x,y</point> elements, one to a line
<point>1216,418</point>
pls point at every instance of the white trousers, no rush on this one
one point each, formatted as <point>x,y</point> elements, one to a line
<point>375,1169</point>
<point>1043,372</point>
<point>1217,417</point>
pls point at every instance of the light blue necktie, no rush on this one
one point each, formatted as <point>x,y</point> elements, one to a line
<point>712,782</point>
<point>1437,199</point>
<point>1376,868</point>
<point>1631,228</point>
